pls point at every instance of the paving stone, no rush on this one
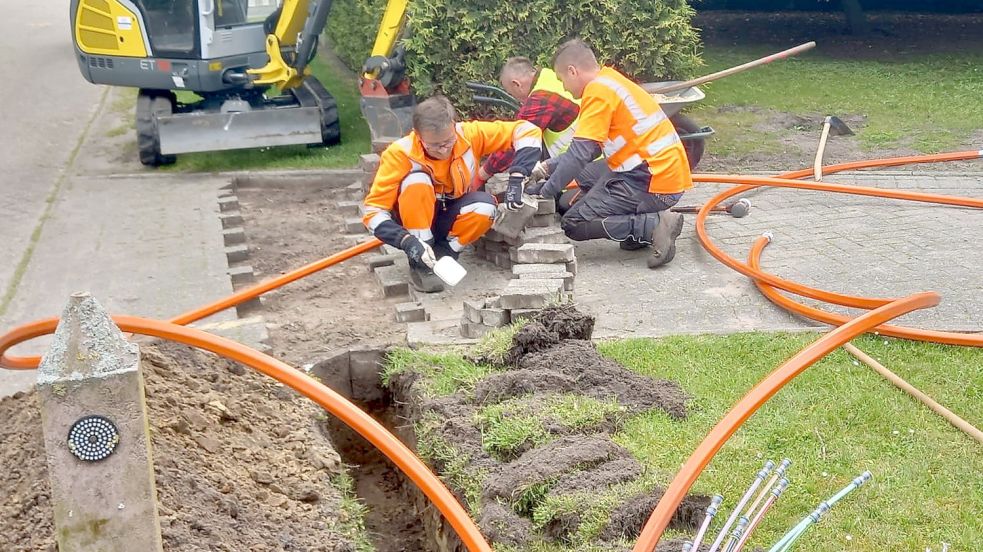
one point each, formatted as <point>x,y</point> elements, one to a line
<point>394,281</point>
<point>443,331</point>
<point>545,253</point>
<point>410,312</point>
<point>495,317</point>
<point>376,261</point>
<point>545,206</point>
<point>241,276</point>
<point>541,269</point>
<point>233,236</point>
<point>493,236</point>
<point>472,310</point>
<point>565,276</point>
<point>228,203</point>
<point>511,223</point>
<point>236,253</point>
<point>354,226</point>
<point>572,267</point>
<point>351,208</point>
<point>230,219</point>
<point>549,234</point>
<point>472,330</point>
<point>543,221</point>
<point>531,294</point>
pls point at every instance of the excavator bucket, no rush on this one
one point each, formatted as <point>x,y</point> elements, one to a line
<point>389,114</point>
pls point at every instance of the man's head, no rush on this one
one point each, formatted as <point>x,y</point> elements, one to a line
<point>433,121</point>
<point>517,77</point>
<point>575,65</point>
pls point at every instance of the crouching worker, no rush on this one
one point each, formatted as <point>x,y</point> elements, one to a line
<point>419,200</point>
<point>627,196</point>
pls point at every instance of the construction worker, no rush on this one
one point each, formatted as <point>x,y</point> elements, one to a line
<point>419,200</point>
<point>625,197</point>
<point>545,103</point>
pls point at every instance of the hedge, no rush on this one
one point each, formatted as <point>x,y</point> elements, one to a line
<point>451,42</point>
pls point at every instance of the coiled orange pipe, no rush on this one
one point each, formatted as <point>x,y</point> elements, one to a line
<point>758,396</point>
<point>334,403</point>
<point>946,338</point>
<point>31,362</point>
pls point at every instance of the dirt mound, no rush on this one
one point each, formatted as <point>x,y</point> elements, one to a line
<point>240,464</point>
<point>550,356</point>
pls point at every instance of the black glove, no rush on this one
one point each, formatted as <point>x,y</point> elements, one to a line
<point>535,189</point>
<point>418,252</point>
<point>513,193</point>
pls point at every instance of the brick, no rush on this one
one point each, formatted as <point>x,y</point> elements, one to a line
<point>233,236</point>
<point>472,311</point>
<point>545,206</point>
<point>572,267</point>
<point>541,269</point>
<point>493,236</point>
<point>376,261</point>
<point>565,276</point>
<point>241,276</point>
<point>531,294</point>
<point>411,312</point>
<point>545,253</point>
<point>502,260</point>
<point>350,208</point>
<point>511,223</point>
<point>543,221</point>
<point>354,226</point>
<point>334,371</point>
<point>471,330</point>
<point>369,162</point>
<point>519,315</point>
<point>228,203</point>
<point>548,234</point>
<point>230,219</point>
<point>496,247</point>
<point>353,191</point>
<point>366,371</point>
<point>236,253</point>
<point>394,281</point>
<point>495,317</point>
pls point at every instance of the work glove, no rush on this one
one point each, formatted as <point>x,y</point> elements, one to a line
<point>418,252</point>
<point>540,172</point>
<point>536,189</point>
<point>513,193</point>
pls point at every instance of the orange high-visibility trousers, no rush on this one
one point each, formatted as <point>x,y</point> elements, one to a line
<point>457,222</point>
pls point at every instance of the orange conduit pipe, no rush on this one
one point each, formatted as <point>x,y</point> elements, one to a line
<point>946,338</point>
<point>334,403</point>
<point>794,287</point>
<point>32,362</point>
<point>757,397</point>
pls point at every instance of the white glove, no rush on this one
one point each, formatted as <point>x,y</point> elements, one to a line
<point>540,172</point>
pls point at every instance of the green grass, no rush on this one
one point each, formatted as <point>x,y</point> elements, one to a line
<point>351,515</point>
<point>508,426</point>
<point>444,373</point>
<point>835,421</point>
<point>927,102</point>
<point>355,137</point>
<point>455,466</point>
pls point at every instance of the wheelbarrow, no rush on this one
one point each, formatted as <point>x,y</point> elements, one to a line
<point>692,134</point>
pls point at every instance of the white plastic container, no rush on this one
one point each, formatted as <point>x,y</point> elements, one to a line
<point>449,271</point>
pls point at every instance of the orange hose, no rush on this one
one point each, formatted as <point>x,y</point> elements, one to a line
<point>946,338</point>
<point>758,396</point>
<point>31,362</point>
<point>334,403</point>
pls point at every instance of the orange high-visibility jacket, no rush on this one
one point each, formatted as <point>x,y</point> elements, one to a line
<point>451,178</point>
<point>632,129</point>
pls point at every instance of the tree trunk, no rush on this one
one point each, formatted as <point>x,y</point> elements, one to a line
<point>855,17</point>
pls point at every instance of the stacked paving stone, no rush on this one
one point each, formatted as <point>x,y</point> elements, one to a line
<point>541,275</point>
<point>537,222</point>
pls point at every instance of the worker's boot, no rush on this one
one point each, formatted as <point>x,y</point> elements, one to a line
<point>424,280</point>
<point>664,238</point>
<point>442,249</point>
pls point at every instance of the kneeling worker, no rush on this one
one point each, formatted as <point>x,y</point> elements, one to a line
<point>627,196</point>
<point>419,200</point>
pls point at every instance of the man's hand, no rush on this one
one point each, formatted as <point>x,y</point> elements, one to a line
<point>535,189</point>
<point>513,193</point>
<point>540,172</point>
<point>418,252</point>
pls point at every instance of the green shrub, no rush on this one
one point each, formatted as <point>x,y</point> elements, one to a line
<point>451,42</point>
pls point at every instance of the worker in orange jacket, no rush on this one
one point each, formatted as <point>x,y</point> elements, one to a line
<point>419,200</point>
<point>626,196</point>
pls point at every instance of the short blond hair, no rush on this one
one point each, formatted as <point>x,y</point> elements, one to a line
<point>433,114</point>
<point>516,66</point>
<point>575,52</point>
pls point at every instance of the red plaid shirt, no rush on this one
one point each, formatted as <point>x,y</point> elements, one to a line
<point>543,109</point>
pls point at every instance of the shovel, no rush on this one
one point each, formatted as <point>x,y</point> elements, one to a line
<point>836,127</point>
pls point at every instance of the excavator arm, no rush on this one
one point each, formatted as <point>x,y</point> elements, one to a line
<point>298,25</point>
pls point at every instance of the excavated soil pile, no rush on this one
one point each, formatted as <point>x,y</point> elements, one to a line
<point>240,462</point>
<point>552,355</point>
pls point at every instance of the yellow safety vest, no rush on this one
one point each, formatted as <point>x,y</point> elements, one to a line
<point>556,142</point>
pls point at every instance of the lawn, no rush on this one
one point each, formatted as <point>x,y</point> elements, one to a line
<point>835,421</point>
<point>929,103</point>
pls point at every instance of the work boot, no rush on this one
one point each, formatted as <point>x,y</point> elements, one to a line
<point>664,238</point>
<point>443,249</point>
<point>631,244</point>
<point>424,280</point>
